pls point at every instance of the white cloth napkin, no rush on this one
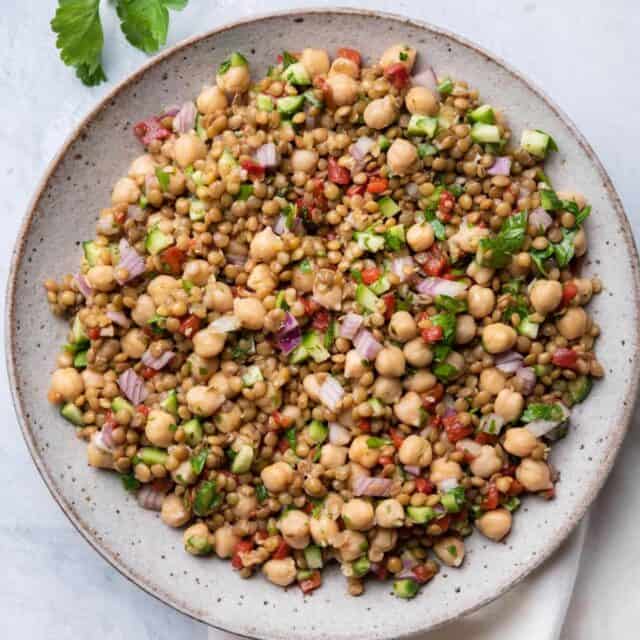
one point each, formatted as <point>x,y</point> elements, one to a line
<point>533,610</point>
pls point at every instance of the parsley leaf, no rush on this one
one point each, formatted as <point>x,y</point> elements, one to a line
<point>549,200</point>
<point>288,59</point>
<point>540,256</point>
<point>496,252</point>
<point>163,178</point>
<point>445,372</point>
<point>582,215</point>
<point>80,38</point>
<point>452,305</point>
<point>439,229</point>
<point>198,461</point>
<point>564,250</point>
<point>448,323</point>
<point>540,411</point>
<point>130,482</point>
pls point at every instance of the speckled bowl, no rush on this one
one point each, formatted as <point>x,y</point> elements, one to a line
<point>63,213</point>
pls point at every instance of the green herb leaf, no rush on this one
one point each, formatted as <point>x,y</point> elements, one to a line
<point>564,250</point>
<point>330,335</point>
<point>305,266</point>
<point>130,482</point>
<point>582,215</point>
<point>452,305</point>
<point>290,434</point>
<point>540,411</point>
<point>80,38</point>
<point>539,256</point>
<point>439,230</point>
<point>448,323</point>
<point>552,146</point>
<point>261,493</point>
<point>541,176</point>
<point>198,461</point>
<point>496,252</point>
<point>356,274</point>
<point>288,59</point>
<point>206,499</point>
<point>163,178</point>
<point>440,352</point>
<point>377,443</point>
<point>445,372</point>
<point>549,200</point>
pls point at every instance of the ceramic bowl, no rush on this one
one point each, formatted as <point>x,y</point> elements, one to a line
<point>63,213</point>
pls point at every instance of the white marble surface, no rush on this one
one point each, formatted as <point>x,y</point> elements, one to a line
<point>584,53</point>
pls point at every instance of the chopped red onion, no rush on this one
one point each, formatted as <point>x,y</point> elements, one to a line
<point>150,129</point>
<point>542,427</point>
<point>492,423</point>
<point>447,484</point>
<point>331,393</point>
<point>107,332</point>
<point>83,285</point>
<point>131,261</point>
<point>403,267</point>
<point>470,446</point>
<point>185,119</point>
<point>107,434</point>
<point>267,155</point>
<point>119,318</point>
<point>440,286</point>
<point>540,219</point>
<point>136,213</point>
<point>374,487</point>
<point>97,439</point>
<point>350,325</point>
<point>366,345</point>
<point>509,361</point>
<point>412,469</point>
<point>150,498</point>
<point>156,363</point>
<point>412,190</point>
<point>501,167</point>
<point>361,147</point>
<point>427,78</point>
<point>338,434</point>
<point>106,225</point>
<point>225,324</point>
<point>527,378</point>
<point>289,336</point>
<point>132,385</point>
<point>280,227</point>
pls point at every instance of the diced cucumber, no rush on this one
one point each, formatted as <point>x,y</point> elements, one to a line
<point>298,355</point>
<point>281,302</point>
<point>297,74</point>
<point>197,210</point>
<point>290,105</point>
<point>384,143</point>
<point>579,388</point>
<point>369,241</point>
<point>243,460</point>
<point>80,360</point>
<point>453,500</point>
<point>264,102</point>
<point>198,545</point>
<point>193,432</point>
<point>528,328</point>
<point>170,403</point>
<point>406,588</point>
<point>236,59</point>
<point>152,455</point>
<point>120,404</point>
<point>312,99</point>
<point>366,298</point>
<point>422,126</point>
<point>380,286</point>
<point>395,237</point>
<point>421,515</point>
<point>537,143</point>
<point>206,498</point>
<point>313,557</point>
<point>156,241</point>
<point>72,413</point>
<point>245,192</point>
<point>485,133</point>
<point>446,86</point>
<point>388,207</point>
<point>227,161</point>
<point>377,408</point>
<point>426,149</point>
<point>251,376</point>
<point>313,342</point>
<point>78,335</point>
<point>318,431</point>
<point>92,253</point>
<point>361,566</point>
<point>484,114</point>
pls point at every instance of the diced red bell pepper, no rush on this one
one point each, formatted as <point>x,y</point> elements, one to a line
<point>244,546</point>
<point>364,426</point>
<point>389,300</point>
<point>149,130</point>
<point>432,334</point>
<point>321,320</point>
<point>397,75</point>
<point>454,429</point>
<point>435,263</point>
<point>172,260</point>
<point>516,488</point>
<point>444,523</point>
<point>396,437</point>
<point>283,551</point>
<point>377,184</point>
<point>338,174</point>
<point>120,217</point>
<point>189,326</point>
<point>432,397</point>
<point>485,438</point>
<point>253,168</point>
<point>569,292</point>
<point>356,190</point>
<point>143,409</point>
<point>93,333</point>
<point>424,486</point>
<point>283,445</point>
<point>385,460</point>
<point>311,583</point>
<point>310,306</point>
<point>422,573</point>
<point>565,358</point>
<point>281,420</point>
<point>350,54</point>
<point>446,203</point>
<point>370,275</point>
<point>492,499</point>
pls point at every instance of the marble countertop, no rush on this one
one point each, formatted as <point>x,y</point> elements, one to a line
<point>582,52</point>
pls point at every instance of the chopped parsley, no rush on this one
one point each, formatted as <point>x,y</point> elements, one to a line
<point>496,252</point>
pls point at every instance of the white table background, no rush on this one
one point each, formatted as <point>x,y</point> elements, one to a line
<point>584,53</point>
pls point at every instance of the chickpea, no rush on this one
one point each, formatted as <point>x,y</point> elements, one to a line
<point>574,196</point>
<point>456,360</point>
<point>354,365</point>
<point>509,405</point>
<point>323,530</point>
<point>219,382</point>
<point>99,458</point>
<point>422,101</point>
<point>492,380</point>
<point>197,272</point>
<point>265,245</point>
<point>415,451</point>
<point>362,453</point>
<point>312,384</point>
<point>261,280</point>
<point>399,53</point>
<point>303,280</point>
<point>346,66</point>
<point>466,239</point>
<point>358,515</point>
<point>580,243</point>
<point>201,368</point>
<point>196,539</point>
<point>330,298</point>
<point>401,156</point>
<point>384,540</point>
<point>389,513</point>
<point>225,541</point>
<point>380,113</point>
<point>585,290</point>
<point>184,474</point>
<point>160,428</point>
<point>534,475</point>
<point>481,301</point>
<point>211,99</point>
<point>235,80</point>
<point>443,469</point>
<point>417,353</point>
<point>450,551</point>
<point>332,456</point>
<point>277,477</point>
<point>486,463</point>
<point>250,312</point>
<point>161,288</point>
<point>421,381</point>
<point>208,343</point>
<point>343,89</point>
<point>498,337</point>
<point>218,297</point>
<point>546,295</point>
<point>390,362</point>
<point>402,326</point>
<point>465,328</point>
<point>144,310</point>
<point>141,167</point>
<point>174,512</point>
<point>280,572</point>
<point>228,418</point>
<point>350,545</point>
<point>294,526</point>
<point>315,61</point>
<point>189,148</point>
<point>482,275</point>
<point>102,277</point>
<point>495,524</point>
<point>67,384</point>
<point>573,324</point>
<point>332,506</point>
<point>519,441</point>
<point>387,390</point>
<point>125,191</point>
<point>134,343</point>
<point>407,409</point>
<point>246,507</point>
<point>92,378</point>
<point>420,236</point>
<point>204,401</point>
<point>304,160</point>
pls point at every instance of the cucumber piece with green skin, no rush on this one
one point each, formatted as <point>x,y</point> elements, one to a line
<point>384,143</point>
<point>298,355</point>
<point>388,206</point>
<point>297,74</point>
<point>290,105</point>
<point>170,403</point>
<point>537,143</point>
<point>193,431</point>
<point>313,557</point>
<point>484,114</point>
<point>528,328</point>
<point>366,298</point>
<point>80,360</point>
<point>251,376</point>
<point>318,431</point>
<point>485,133</point>
<point>361,566</point>
<point>311,98</point>
<point>425,149</point>
<point>92,253</point>
<point>72,413</point>
<point>120,404</point>
<point>198,545</point>
<point>421,515</point>
<point>369,241</point>
<point>206,498</point>
<point>380,286</point>
<point>579,388</point>
<point>78,335</point>
<point>281,302</point>
<point>377,407</point>
<point>395,237</point>
<point>152,455</point>
<point>424,126</point>
<point>197,210</point>
<point>227,161</point>
<point>264,102</point>
<point>405,588</point>
<point>243,460</point>
<point>156,241</point>
<point>313,342</point>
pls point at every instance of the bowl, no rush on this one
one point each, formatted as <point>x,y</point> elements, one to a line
<point>63,213</point>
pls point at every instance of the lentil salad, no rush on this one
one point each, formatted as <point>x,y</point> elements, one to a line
<point>335,314</point>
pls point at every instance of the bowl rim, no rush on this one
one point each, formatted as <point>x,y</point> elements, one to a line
<point>618,432</point>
